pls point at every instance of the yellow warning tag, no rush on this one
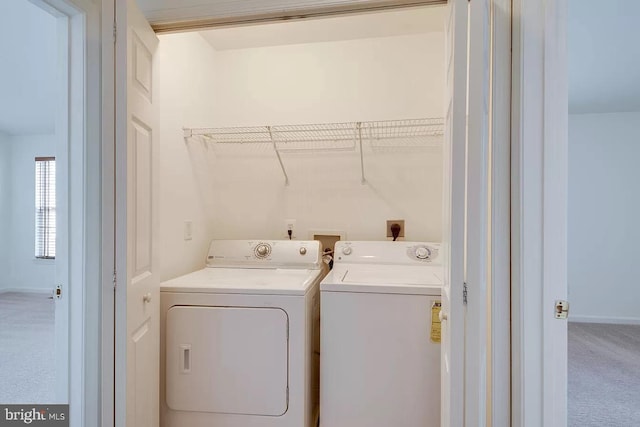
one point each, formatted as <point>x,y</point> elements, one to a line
<point>436,326</point>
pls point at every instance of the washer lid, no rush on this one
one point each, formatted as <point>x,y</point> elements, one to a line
<point>384,279</point>
<point>245,280</point>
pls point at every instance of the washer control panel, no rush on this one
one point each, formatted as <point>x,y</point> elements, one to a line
<point>422,252</point>
<point>387,252</point>
<point>265,253</point>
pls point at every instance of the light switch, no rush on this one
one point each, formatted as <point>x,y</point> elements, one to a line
<point>188,230</point>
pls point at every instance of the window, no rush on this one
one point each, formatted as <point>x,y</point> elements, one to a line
<point>45,207</point>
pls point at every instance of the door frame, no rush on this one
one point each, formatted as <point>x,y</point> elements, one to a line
<point>488,328</point>
<point>539,212</point>
<point>79,131</point>
<point>499,371</point>
<point>499,340</point>
<point>107,39</point>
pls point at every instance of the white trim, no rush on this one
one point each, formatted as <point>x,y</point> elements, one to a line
<point>499,351</point>
<point>477,210</point>
<point>603,319</point>
<point>83,128</point>
<point>539,190</point>
<point>28,290</point>
<point>107,402</point>
<point>44,261</point>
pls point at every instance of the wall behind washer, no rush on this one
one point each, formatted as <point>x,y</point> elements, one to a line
<point>239,192</point>
<point>604,210</point>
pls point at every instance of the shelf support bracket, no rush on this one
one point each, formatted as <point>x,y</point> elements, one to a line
<point>275,148</point>
<point>359,128</point>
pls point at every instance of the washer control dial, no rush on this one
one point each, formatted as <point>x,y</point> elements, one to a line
<point>347,250</point>
<point>263,250</point>
<point>303,251</point>
<point>423,253</point>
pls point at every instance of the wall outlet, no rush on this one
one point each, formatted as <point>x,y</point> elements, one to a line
<point>400,222</point>
<point>290,224</point>
<point>188,230</point>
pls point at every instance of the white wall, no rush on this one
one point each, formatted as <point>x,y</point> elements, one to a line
<point>185,67</point>
<point>368,79</point>
<point>28,86</point>
<point>26,272</point>
<point>240,191</point>
<point>5,209</point>
<point>604,210</point>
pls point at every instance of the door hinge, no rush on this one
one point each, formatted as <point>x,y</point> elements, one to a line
<point>115,32</point>
<point>561,309</point>
<point>58,292</point>
<point>464,294</point>
<point>115,280</point>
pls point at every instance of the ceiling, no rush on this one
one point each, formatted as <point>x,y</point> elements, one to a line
<point>604,56</point>
<point>165,11</point>
<point>27,76</point>
<point>347,27</point>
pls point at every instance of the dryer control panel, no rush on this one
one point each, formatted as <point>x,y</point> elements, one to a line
<point>265,254</point>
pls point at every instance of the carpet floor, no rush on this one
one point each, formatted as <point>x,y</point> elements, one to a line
<point>604,375</point>
<point>27,346</point>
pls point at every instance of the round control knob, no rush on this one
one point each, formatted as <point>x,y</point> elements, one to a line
<point>262,250</point>
<point>303,251</point>
<point>346,250</point>
<point>423,253</point>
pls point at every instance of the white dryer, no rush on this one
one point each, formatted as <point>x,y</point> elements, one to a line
<point>240,338</point>
<point>380,334</point>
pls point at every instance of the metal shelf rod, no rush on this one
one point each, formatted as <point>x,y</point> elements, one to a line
<point>275,148</point>
<point>362,178</point>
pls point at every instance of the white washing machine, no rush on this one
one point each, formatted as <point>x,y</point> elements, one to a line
<point>380,334</point>
<point>240,338</point>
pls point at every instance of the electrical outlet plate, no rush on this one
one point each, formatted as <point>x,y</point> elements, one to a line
<point>400,222</point>
<point>290,224</point>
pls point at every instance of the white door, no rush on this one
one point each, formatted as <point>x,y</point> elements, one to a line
<point>453,311</point>
<point>137,289</point>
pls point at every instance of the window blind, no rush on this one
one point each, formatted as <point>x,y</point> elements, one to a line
<point>45,207</point>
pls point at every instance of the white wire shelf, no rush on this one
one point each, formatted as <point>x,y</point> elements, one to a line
<point>385,135</point>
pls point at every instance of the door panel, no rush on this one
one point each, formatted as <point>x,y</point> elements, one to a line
<point>144,401</point>
<point>137,291</point>
<point>453,312</point>
<point>231,360</point>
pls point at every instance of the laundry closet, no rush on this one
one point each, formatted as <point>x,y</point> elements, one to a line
<point>327,126</point>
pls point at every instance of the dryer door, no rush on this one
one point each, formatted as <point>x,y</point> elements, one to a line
<point>231,360</point>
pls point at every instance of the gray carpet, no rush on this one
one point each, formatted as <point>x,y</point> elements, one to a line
<point>27,367</point>
<point>604,375</point>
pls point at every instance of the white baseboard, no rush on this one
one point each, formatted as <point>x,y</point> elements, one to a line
<point>602,319</point>
<point>28,290</point>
